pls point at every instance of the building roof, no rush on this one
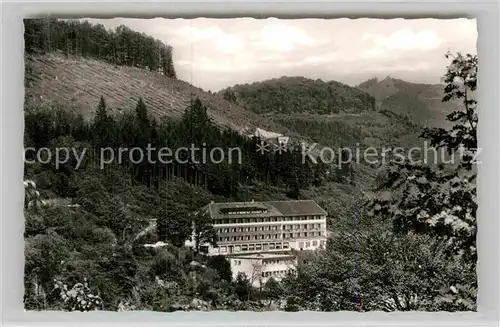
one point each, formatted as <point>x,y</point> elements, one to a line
<point>298,207</point>
<point>272,208</point>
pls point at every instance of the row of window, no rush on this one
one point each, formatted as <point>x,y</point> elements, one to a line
<point>268,228</point>
<point>269,262</point>
<point>308,244</point>
<point>303,226</point>
<point>248,229</point>
<point>249,237</point>
<point>268,236</point>
<point>277,261</point>
<point>303,234</point>
<point>277,273</point>
<point>264,219</point>
<point>254,247</point>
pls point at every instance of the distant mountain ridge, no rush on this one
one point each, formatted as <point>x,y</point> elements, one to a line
<point>299,94</point>
<point>422,103</point>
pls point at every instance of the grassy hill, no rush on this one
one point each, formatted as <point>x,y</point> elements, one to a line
<point>298,95</point>
<point>78,83</point>
<point>420,102</point>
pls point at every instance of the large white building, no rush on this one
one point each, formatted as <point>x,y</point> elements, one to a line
<point>251,233</point>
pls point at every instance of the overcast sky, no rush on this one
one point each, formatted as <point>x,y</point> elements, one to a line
<point>216,53</point>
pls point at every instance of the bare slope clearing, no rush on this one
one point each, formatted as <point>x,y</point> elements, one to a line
<point>78,83</point>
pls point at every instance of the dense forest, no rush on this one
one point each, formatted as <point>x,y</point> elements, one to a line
<point>299,94</point>
<point>116,202</point>
<point>408,245</point>
<point>122,46</point>
<point>92,256</point>
<point>49,127</point>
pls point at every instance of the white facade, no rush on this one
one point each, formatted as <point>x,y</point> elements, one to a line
<point>269,234</point>
<point>257,237</point>
<point>259,268</point>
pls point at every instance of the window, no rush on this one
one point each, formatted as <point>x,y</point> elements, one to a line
<point>223,249</point>
<point>308,244</point>
<point>271,246</point>
<point>315,243</point>
<point>285,245</point>
<point>258,247</point>
<point>244,248</point>
<point>278,246</point>
<point>251,247</point>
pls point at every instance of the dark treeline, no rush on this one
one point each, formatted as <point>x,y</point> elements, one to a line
<point>331,133</point>
<point>236,161</point>
<point>299,95</point>
<point>121,46</point>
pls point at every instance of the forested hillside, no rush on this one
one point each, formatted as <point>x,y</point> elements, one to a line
<point>420,102</point>
<point>121,46</point>
<point>75,83</point>
<point>299,94</point>
<point>104,234</point>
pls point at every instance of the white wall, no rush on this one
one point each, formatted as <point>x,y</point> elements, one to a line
<point>250,267</point>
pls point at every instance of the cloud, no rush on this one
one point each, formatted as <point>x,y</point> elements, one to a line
<point>216,53</point>
<point>407,39</point>
<point>280,37</point>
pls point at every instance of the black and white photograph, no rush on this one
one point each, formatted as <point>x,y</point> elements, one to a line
<point>243,164</point>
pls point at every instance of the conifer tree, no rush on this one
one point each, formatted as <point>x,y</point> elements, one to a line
<point>142,114</point>
<point>103,125</point>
